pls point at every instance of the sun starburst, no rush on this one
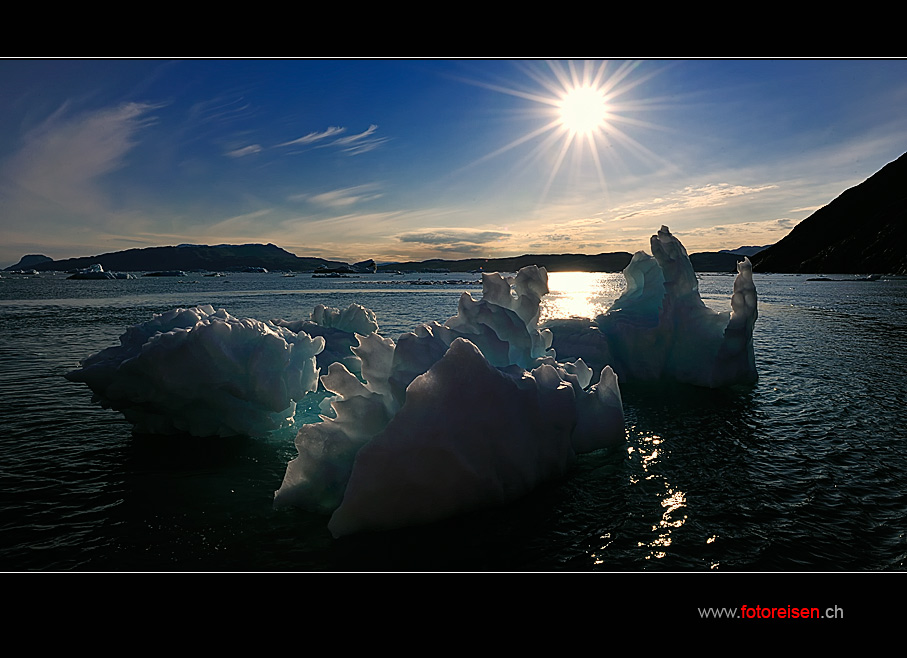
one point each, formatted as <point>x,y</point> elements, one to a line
<point>581,104</point>
<point>583,110</point>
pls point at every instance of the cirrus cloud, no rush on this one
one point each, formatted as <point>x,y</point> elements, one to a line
<point>345,196</point>
<point>703,196</point>
<point>314,137</point>
<point>350,144</point>
<point>62,160</point>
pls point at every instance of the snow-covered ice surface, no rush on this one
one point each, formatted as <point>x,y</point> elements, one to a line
<point>660,330</point>
<point>453,417</point>
<point>205,373</point>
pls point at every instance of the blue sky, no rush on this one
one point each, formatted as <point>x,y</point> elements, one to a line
<point>413,159</point>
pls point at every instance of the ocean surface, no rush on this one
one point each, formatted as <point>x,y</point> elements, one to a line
<point>805,471</point>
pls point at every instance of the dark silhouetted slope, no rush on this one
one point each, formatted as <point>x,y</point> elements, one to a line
<point>862,231</point>
<point>194,257</point>
<point>29,262</point>
<point>714,261</point>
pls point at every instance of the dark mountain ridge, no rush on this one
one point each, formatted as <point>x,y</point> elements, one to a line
<point>271,257</point>
<point>862,231</point>
<point>192,257</point>
<point>745,251</point>
<point>29,262</point>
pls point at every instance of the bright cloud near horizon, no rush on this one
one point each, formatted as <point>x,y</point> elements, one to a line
<point>417,159</point>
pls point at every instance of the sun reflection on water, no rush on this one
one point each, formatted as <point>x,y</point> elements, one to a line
<point>586,295</point>
<point>651,453</point>
<point>580,294</point>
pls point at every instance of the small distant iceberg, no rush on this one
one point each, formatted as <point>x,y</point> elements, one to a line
<point>97,271</point>
<point>870,277</point>
<point>362,267</point>
<point>174,273</point>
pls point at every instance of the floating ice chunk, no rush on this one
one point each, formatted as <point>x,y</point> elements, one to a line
<point>353,319</point>
<point>439,426</point>
<point>599,415</point>
<point>414,354</point>
<point>377,355</point>
<point>470,436</point>
<point>660,329</point>
<point>736,359</point>
<point>205,373</point>
<point>97,271</point>
<point>582,372</point>
<point>504,323</point>
<point>317,477</point>
<point>643,297</point>
<point>339,329</point>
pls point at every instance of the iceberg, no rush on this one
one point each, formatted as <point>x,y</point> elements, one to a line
<point>339,329</point>
<point>205,373</point>
<point>452,417</point>
<point>659,329</point>
<point>97,271</point>
<point>468,436</point>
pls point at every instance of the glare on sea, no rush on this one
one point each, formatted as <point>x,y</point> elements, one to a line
<point>580,294</point>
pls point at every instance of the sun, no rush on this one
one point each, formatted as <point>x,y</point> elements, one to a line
<point>580,112</point>
<point>583,110</point>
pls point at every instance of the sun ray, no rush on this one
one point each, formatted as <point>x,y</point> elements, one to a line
<point>598,164</point>
<point>582,106</point>
<point>516,142</point>
<point>557,165</point>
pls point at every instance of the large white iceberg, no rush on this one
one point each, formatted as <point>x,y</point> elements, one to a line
<point>660,329</point>
<point>204,372</point>
<point>452,417</point>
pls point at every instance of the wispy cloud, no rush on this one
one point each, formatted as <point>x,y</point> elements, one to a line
<point>346,196</point>
<point>244,151</point>
<point>713,194</point>
<point>364,141</point>
<point>314,137</point>
<point>62,160</point>
<point>220,110</point>
<point>351,144</point>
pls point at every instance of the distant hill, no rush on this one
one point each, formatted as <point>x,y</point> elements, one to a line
<point>715,261</point>
<point>862,231</point>
<point>271,257</point>
<point>29,262</point>
<point>612,262</point>
<point>745,251</point>
<point>193,257</point>
<point>708,261</point>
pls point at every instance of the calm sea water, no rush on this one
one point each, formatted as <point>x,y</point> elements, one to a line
<point>805,471</point>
